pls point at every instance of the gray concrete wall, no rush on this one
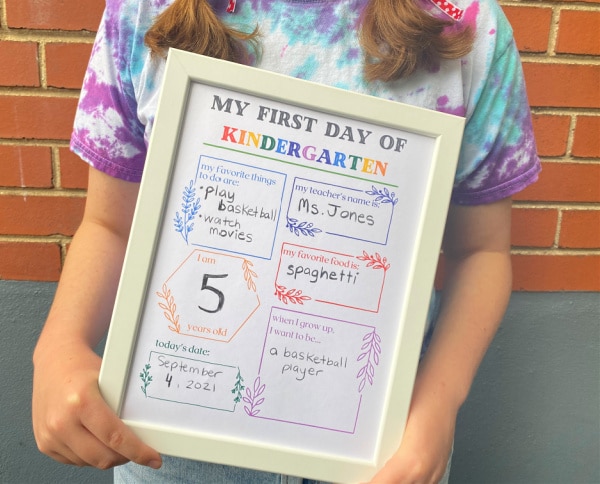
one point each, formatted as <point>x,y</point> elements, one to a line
<point>23,309</point>
<point>532,417</point>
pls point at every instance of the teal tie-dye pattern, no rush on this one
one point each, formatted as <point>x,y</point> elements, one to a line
<point>307,69</point>
<point>318,41</point>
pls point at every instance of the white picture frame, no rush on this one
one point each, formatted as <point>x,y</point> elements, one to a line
<point>300,447</point>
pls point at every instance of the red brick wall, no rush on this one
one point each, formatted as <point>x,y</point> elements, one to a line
<point>44,46</point>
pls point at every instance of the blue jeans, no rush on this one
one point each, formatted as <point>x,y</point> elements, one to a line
<point>183,471</point>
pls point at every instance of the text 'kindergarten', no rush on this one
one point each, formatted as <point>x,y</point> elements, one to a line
<point>306,152</point>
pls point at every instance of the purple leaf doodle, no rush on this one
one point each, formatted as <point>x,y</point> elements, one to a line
<point>371,349</point>
<point>252,399</point>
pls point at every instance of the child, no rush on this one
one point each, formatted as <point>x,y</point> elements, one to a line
<point>459,59</point>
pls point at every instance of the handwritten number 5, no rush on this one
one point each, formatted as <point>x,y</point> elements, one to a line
<point>219,294</point>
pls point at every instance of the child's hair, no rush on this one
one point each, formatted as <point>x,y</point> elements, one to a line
<point>193,26</point>
<point>397,36</point>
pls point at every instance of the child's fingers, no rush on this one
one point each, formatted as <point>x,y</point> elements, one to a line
<point>72,422</point>
<point>66,440</point>
<point>84,449</point>
<point>116,437</point>
<point>64,455</point>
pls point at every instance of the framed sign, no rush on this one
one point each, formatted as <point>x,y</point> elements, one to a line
<point>275,289</point>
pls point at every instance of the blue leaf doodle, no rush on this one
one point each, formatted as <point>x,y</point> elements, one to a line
<point>190,206</point>
<point>383,196</point>
<point>302,228</point>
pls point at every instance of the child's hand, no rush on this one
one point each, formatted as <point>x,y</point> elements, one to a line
<point>426,446</point>
<point>71,421</point>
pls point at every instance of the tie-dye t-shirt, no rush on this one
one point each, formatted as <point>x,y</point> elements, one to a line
<point>317,40</point>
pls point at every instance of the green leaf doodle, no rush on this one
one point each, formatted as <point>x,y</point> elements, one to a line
<point>145,377</point>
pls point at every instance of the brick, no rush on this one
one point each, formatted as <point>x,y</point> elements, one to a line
<point>54,14</point>
<point>533,227</point>
<point>562,85</point>
<point>551,134</point>
<point>586,143</point>
<point>531,27</point>
<point>40,215</point>
<point>66,64</point>
<point>578,32</point>
<point>19,61</point>
<point>580,229</point>
<point>556,272</point>
<point>25,166</point>
<point>73,171</point>
<point>565,182</point>
<point>26,261</point>
<point>33,117</point>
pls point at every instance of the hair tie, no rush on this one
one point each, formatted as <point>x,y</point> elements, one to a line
<point>231,6</point>
<point>448,8</point>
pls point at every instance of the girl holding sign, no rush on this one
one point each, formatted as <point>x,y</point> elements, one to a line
<point>458,58</point>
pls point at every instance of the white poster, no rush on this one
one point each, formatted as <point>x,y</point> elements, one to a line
<point>281,272</point>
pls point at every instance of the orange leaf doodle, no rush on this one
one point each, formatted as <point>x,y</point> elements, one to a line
<point>249,275</point>
<point>169,309</point>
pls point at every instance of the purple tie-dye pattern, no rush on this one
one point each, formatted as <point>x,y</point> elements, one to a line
<point>470,20</point>
<point>317,40</point>
<point>500,127</point>
<point>107,132</point>
<point>444,107</point>
<point>354,54</point>
<point>119,135</point>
